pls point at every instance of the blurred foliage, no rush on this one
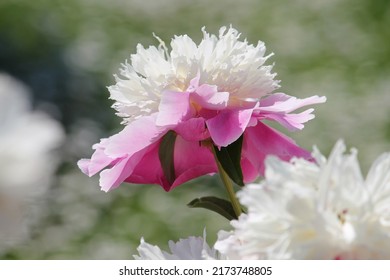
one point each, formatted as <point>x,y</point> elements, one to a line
<point>67,52</point>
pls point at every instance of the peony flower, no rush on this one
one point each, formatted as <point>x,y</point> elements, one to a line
<point>27,161</point>
<point>306,210</point>
<point>195,96</point>
<point>191,248</point>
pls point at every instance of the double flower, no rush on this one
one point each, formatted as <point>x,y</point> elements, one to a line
<point>182,108</point>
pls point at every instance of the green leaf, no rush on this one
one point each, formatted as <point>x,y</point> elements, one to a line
<point>218,205</point>
<point>230,159</point>
<point>165,154</point>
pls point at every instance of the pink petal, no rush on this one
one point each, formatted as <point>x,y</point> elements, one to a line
<point>249,171</point>
<point>261,141</point>
<point>134,137</point>
<point>290,121</point>
<point>194,83</point>
<point>191,160</point>
<point>113,177</point>
<point>84,164</point>
<point>280,102</point>
<point>98,161</point>
<point>278,106</point>
<point>149,170</point>
<point>228,125</point>
<point>193,130</point>
<point>122,152</point>
<point>173,108</point>
<point>132,155</point>
<point>208,97</point>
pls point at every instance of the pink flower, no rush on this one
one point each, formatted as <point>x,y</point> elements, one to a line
<point>228,96</point>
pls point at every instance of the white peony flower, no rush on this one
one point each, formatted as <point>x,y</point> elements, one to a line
<point>233,66</point>
<point>191,248</point>
<point>304,210</point>
<point>27,163</point>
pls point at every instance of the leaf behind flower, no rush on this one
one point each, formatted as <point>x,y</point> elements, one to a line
<point>230,159</point>
<point>166,155</point>
<point>218,205</point>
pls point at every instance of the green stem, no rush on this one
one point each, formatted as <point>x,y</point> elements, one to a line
<point>228,185</point>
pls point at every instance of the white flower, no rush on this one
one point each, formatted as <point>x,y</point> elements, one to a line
<point>191,248</point>
<point>27,163</point>
<point>233,66</point>
<point>304,210</point>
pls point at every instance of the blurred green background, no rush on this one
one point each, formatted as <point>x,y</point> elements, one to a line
<point>66,52</point>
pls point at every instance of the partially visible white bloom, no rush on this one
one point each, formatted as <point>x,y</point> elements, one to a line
<point>27,162</point>
<point>232,65</point>
<point>191,248</point>
<point>304,210</point>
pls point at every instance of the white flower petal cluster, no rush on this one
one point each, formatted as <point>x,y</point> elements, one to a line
<point>323,210</point>
<point>191,248</point>
<point>27,161</point>
<point>232,65</point>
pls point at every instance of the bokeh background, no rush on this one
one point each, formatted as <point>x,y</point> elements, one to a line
<point>63,54</point>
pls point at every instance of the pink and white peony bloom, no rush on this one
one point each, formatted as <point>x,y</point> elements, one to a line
<point>306,210</point>
<point>211,93</point>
